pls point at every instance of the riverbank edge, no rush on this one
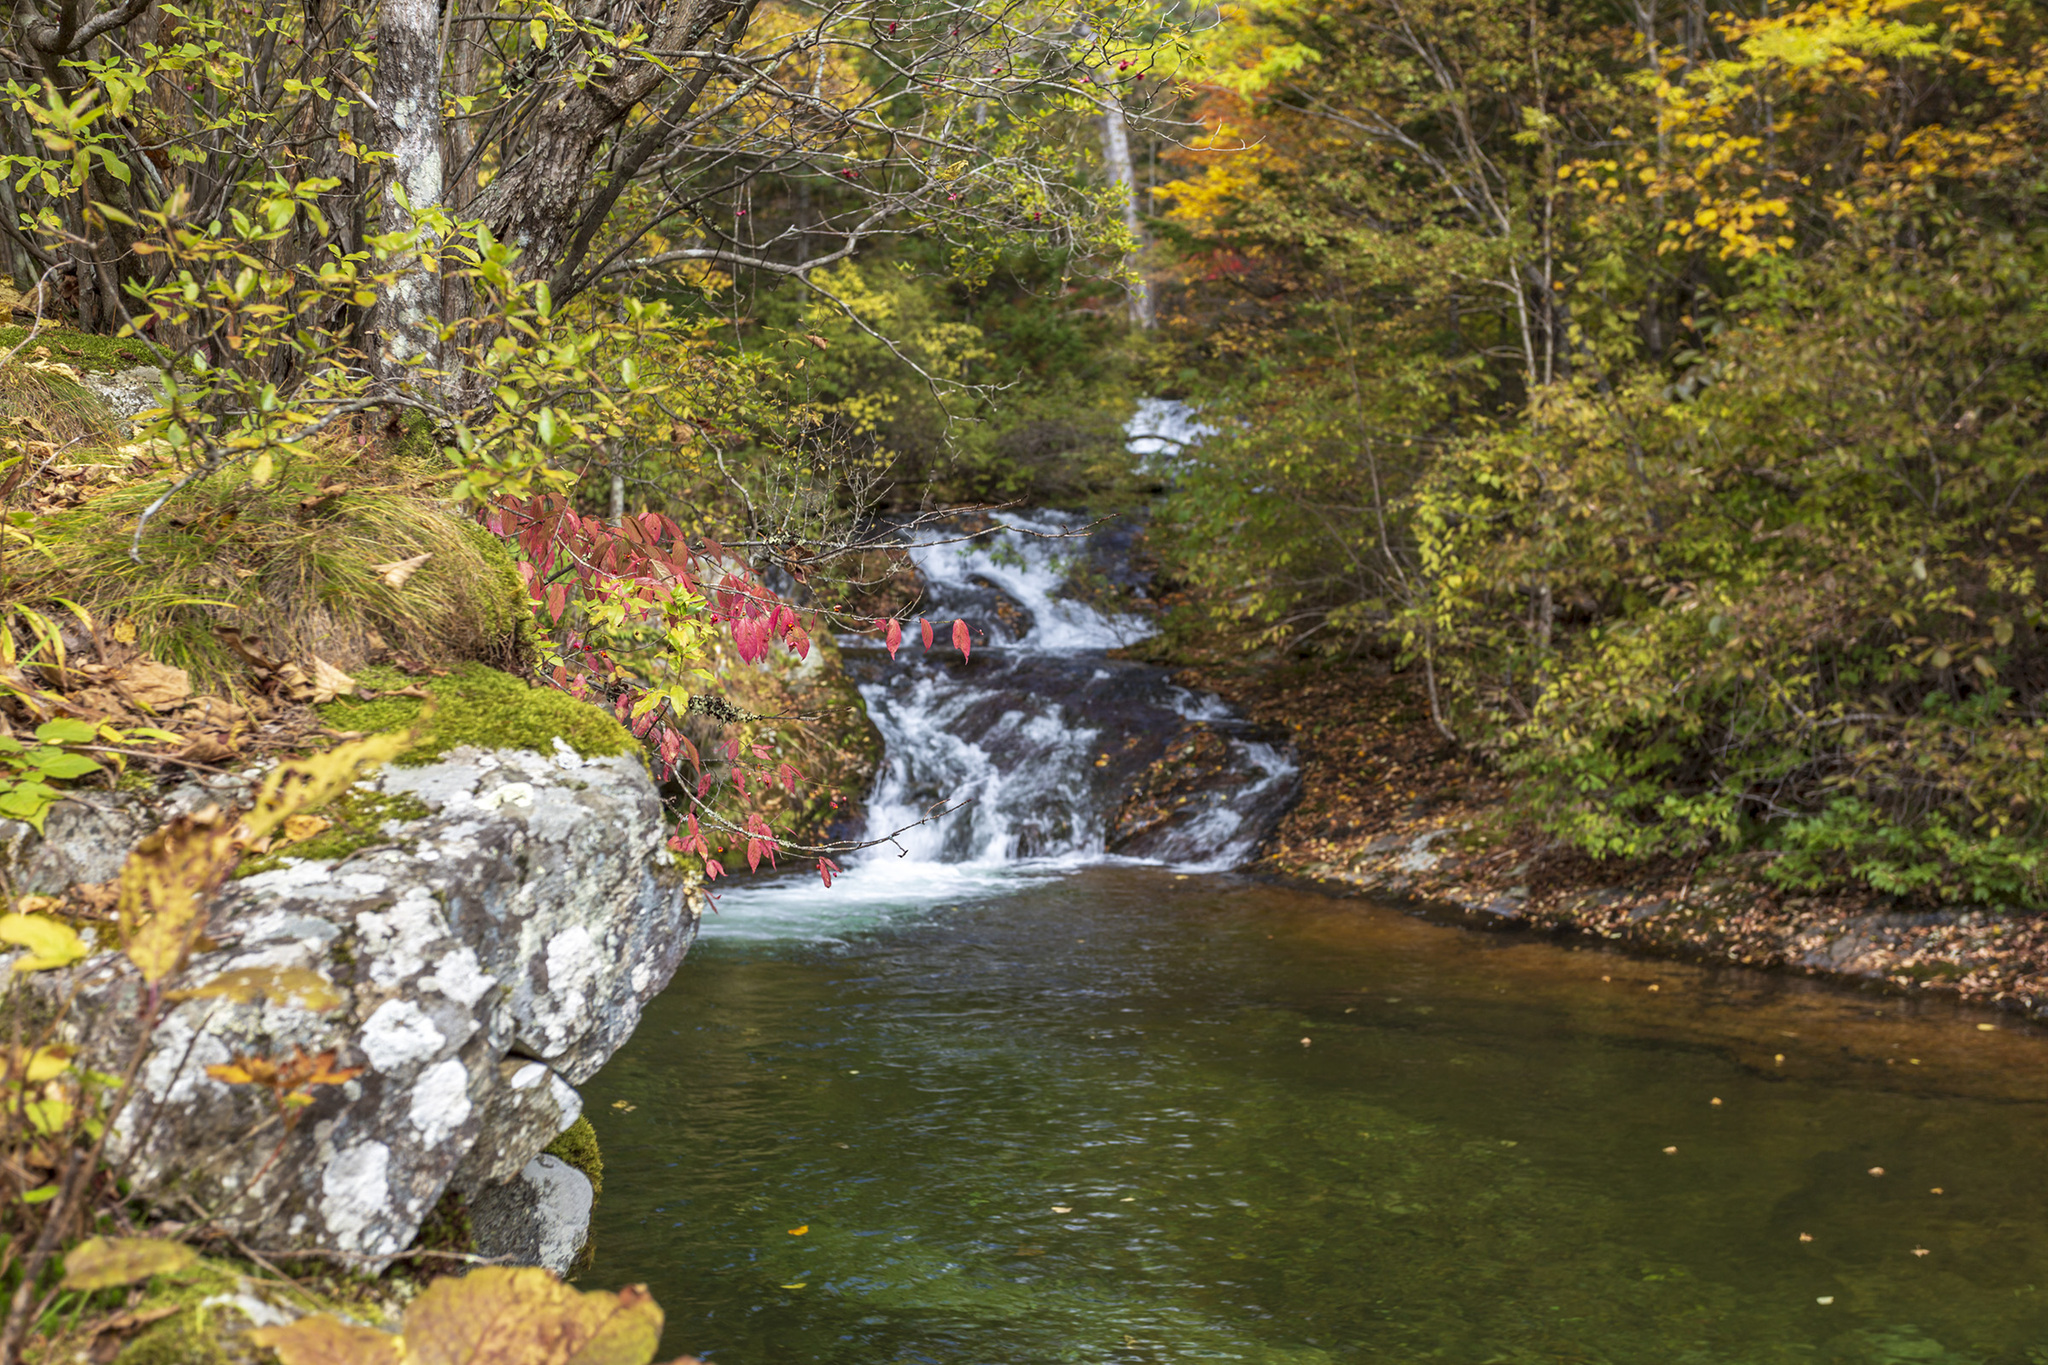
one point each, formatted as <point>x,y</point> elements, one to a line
<point>1389,809</point>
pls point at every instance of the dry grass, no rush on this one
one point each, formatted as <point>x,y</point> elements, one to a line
<point>297,564</point>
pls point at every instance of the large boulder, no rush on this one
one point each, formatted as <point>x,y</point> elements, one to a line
<point>491,948</point>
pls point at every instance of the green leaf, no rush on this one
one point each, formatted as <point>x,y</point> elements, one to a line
<point>63,766</point>
<point>66,732</point>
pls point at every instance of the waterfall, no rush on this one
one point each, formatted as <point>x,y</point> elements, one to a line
<point>1044,740</point>
<point>1051,752</point>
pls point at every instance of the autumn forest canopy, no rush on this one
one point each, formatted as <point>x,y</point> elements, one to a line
<point>1659,386</point>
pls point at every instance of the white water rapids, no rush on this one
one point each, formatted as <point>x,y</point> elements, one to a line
<point>1039,741</point>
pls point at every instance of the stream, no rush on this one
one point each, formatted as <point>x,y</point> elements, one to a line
<point>1045,1081</point>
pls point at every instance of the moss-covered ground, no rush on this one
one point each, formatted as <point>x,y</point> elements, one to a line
<point>482,707</point>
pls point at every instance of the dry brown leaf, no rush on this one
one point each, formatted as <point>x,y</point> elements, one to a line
<point>208,749</point>
<point>292,683</point>
<point>217,711</point>
<point>329,682</point>
<point>156,686</point>
<point>398,570</point>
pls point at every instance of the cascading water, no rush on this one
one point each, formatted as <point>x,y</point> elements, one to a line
<point>1051,752</point>
<point>1053,746</point>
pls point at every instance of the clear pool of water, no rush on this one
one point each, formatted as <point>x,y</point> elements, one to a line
<point>1120,1115</point>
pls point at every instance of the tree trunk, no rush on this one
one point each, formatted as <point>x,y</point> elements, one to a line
<point>404,329</point>
<point>1116,159</point>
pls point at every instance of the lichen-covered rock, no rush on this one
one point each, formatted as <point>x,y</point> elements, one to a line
<point>542,1218</point>
<point>490,954</point>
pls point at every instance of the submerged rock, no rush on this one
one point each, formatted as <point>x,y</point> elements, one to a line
<point>489,952</point>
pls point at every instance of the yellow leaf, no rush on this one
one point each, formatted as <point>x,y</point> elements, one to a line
<point>103,1262</point>
<point>310,783</point>
<point>124,632</point>
<point>323,1340</point>
<point>504,1316</point>
<point>45,1064</point>
<point>165,885</point>
<point>49,943</point>
<point>283,985</point>
<point>798,1232</point>
<point>299,828</point>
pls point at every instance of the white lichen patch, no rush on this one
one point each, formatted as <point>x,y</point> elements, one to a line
<point>354,1192</point>
<point>440,1101</point>
<point>459,977</point>
<point>400,1034</point>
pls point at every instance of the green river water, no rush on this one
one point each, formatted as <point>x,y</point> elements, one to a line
<point>1120,1115</point>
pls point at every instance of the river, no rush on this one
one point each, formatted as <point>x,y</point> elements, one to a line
<point>1073,1117</point>
<point>1044,1081</point>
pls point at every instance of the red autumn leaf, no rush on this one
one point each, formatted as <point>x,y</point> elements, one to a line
<point>926,627</point>
<point>828,870</point>
<point>960,638</point>
<point>713,869</point>
<point>892,636</point>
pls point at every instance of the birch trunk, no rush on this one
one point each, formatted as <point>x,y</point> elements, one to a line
<point>404,329</point>
<point>1116,157</point>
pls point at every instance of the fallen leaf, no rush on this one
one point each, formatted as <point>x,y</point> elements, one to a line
<point>322,1340</point>
<point>104,1262</point>
<point>155,686</point>
<point>208,749</point>
<point>301,827</point>
<point>623,1107</point>
<point>1716,1101</point>
<point>1825,1299</point>
<point>1935,1190</point>
<point>798,1232</point>
<point>1877,1170</point>
<point>1919,1251</point>
<point>329,682</point>
<point>1670,1151</point>
<point>1987,1028</point>
<point>214,711</point>
<point>292,683</point>
<point>798,1285</point>
<point>1062,1208</point>
<point>398,570</point>
<point>123,632</point>
<point>300,986</point>
<point>1806,1237</point>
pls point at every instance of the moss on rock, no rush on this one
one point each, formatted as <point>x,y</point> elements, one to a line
<point>482,707</point>
<point>213,1301</point>
<point>357,818</point>
<point>577,1147</point>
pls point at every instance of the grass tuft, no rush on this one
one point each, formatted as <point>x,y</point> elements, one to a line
<point>293,564</point>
